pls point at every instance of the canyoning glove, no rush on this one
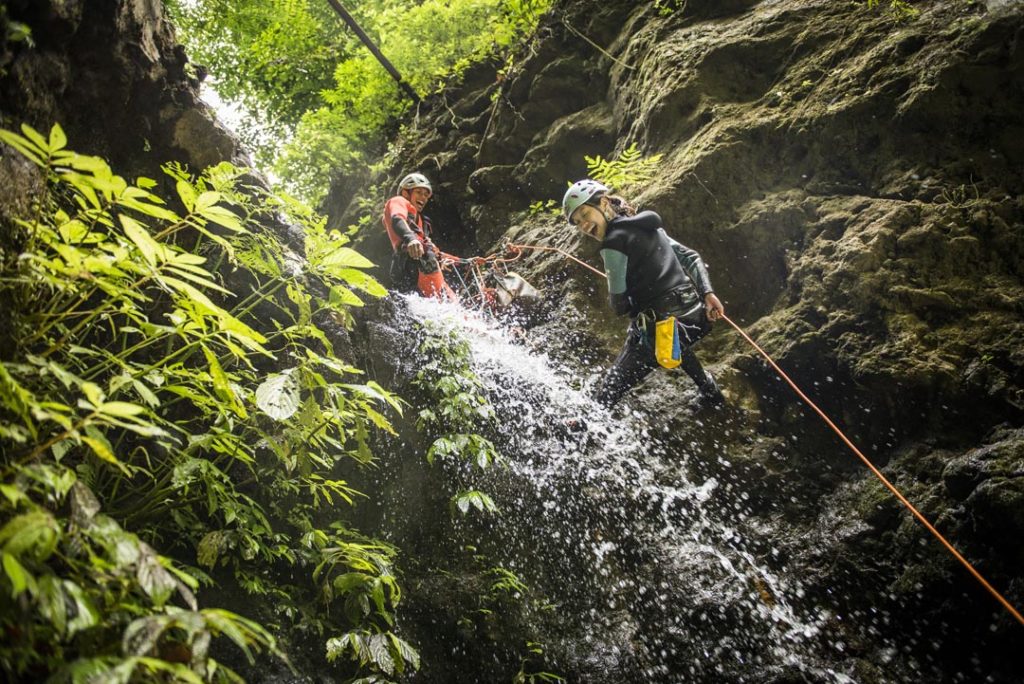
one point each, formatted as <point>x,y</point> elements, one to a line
<point>428,262</point>
<point>412,243</point>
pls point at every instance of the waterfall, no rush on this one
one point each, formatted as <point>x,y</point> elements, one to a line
<point>657,574</point>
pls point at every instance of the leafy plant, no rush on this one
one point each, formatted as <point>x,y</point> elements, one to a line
<point>83,586</point>
<point>382,651</point>
<point>504,592</point>
<point>668,7</point>
<point>463,501</point>
<point>458,412</point>
<point>504,580</point>
<point>15,31</point>
<point>534,650</point>
<point>545,207</point>
<point>300,72</point>
<point>480,450</point>
<point>166,383</point>
<point>898,9</point>
<point>629,168</point>
<point>457,419</point>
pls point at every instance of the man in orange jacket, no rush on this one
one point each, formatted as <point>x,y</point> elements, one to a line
<point>414,266</point>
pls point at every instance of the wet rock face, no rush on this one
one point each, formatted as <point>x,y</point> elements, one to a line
<point>854,185</point>
<point>849,180</point>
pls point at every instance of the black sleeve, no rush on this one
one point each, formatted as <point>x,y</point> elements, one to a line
<point>694,267</point>
<point>619,303</point>
<point>402,230</point>
<point>646,220</point>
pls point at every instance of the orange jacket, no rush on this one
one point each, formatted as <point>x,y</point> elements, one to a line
<point>399,210</point>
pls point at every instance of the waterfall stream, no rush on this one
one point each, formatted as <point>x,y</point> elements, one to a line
<point>666,576</point>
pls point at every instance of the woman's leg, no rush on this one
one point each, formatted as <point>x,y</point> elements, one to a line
<point>706,385</point>
<point>691,366</point>
<point>693,329</point>
<point>633,364</point>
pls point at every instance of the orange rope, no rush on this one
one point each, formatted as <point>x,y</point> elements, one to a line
<point>917,514</point>
<point>516,250</point>
<point>560,251</point>
<point>892,488</point>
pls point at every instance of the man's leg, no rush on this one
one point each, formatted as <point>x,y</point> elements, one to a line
<point>404,272</point>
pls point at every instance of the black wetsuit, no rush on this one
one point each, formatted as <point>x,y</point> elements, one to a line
<point>649,273</point>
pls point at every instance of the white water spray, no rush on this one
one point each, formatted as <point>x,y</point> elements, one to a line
<point>582,464</point>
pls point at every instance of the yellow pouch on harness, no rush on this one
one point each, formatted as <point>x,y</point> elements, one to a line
<point>667,349</point>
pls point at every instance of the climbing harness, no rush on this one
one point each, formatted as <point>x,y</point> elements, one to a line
<point>892,488</point>
<point>668,336</point>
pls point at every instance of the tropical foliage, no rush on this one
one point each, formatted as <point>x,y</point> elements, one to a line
<point>621,174</point>
<point>326,101</point>
<point>457,412</point>
<point>168,381</point>
<point>628,169</point>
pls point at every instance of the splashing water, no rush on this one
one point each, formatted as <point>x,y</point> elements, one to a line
<point>597,511</point>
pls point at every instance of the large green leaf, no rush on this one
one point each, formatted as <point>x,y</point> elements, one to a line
<point>19,576</point>
<point>345,257</point>
<point>360,280</point>
<point>380,652</point>
<point>407,652</point>
<point>278,395</point>
<point>34,534</point>
<point>222,384</point>
<point>57,138</point>
<point>151,250</point>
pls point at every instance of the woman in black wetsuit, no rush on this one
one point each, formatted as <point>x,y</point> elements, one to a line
<point>650,277</point>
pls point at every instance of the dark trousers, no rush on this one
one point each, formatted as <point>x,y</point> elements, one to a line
<point>636,361</point>
<point>404,272</point>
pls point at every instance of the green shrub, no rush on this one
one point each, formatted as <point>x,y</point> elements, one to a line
<point>328,103</point>
<point>144,405</point>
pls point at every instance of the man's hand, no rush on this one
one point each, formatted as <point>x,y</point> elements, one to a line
<point>428,264</point>
<point>714,306</point>
<point>414,249</point>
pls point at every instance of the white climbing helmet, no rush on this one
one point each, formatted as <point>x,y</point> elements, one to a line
<point>415,180</point>
<point>579,193</point>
